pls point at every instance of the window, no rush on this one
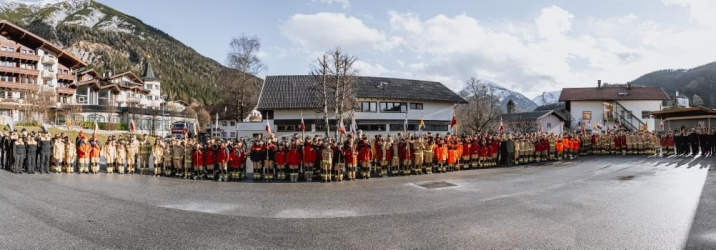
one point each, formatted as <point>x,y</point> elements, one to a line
<point>368,107</point>
<point>417,106</point>
<point>223,123</point>
<point>289,128</point>
<point>586,115</point>
<point>232,134</point>
<point>233,123</point>
<point>549,125</point>
<point>645,115</point>
<point>393,107</point>
<point>399,127</point>
<point>608,111</point>
<point>223,134</point>
<point>371,127</point>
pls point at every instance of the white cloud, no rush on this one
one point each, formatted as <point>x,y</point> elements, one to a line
<point>345,4</point>
<point>368,69</point>
<point>555,49</point>
<point>325,31</point>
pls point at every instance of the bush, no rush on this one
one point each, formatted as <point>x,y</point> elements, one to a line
<point>28,124</point>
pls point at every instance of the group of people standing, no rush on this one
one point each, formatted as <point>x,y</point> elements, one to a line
<point>327,159</point>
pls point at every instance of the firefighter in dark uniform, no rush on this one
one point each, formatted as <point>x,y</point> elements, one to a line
<point>19,152</point>
<point>3,137</point>
<point>694,142</point>
<point>31,155</point>
<point>45,151</point>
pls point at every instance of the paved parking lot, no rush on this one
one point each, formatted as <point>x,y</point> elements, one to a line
<point>591,202</point>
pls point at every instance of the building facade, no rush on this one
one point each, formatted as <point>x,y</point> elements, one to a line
<point>382,106</point>
<point>40,80</point>
<point>684,118</point>
<point>628,106</point>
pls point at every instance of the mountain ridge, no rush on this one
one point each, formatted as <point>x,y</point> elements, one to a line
<point>700,80</point>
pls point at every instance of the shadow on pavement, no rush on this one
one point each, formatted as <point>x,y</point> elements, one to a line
<point>703,228</point>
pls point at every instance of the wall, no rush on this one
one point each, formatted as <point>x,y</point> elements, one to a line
<point>557,124</point>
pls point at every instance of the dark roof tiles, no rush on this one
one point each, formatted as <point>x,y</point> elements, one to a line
<point>612,93</point>
<point>297,91</point>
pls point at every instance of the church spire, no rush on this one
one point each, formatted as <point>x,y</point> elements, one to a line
<point>149,73</point>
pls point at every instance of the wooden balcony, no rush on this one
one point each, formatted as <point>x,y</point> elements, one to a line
<point>19,56</point>
<point>65,77</point>
<point>20,71</point>
<point>65,91</point>
<point>48,60</point>
<point>17,85</point>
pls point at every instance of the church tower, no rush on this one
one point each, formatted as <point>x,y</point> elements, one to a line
<point>152,84</point>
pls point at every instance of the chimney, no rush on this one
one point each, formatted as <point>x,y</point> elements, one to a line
<point>599,84</point>
<point>628,86</point>
<point>677,94</point>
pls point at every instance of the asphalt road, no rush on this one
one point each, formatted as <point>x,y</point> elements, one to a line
<point>592,202</point>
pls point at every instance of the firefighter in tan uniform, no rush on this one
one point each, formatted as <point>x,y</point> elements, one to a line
<point>326,162</point>
<point>145,150</point>
<point>110,154</point>
<point>158,156</point>
<point>169,158</point>
<point>70,156</point>
<point>418,152</point>
<point>121,155</point>
<point>132,153</point>
<point>428,155</point>
<point>177,158</point>
<point>188,163</point>
<point>58,154</point>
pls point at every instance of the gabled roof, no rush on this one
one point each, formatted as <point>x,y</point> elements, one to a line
<point>613,94</point>
<point>128,74</point>
<point>530,116</point>
<point>90,72</point>
<point>33,41</point>
<point>297,91</point>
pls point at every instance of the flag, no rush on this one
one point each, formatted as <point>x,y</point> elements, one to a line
<point>342,128</point>
<point>96,127</point>
<point>502,126</point>
<point>303,124</point>
<point>421,126</point>
<point>198,128</point>
<point>268,127</point>
<point>132,126</point>
<point>661,124</point>
<point>453,122</point>
<point>69,124</point>
<point>354,125</point>
<point>540,129</point>
<point>225,109</point>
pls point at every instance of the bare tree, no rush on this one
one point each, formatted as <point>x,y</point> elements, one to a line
<point>334,80</point>
<point>238,84</point>
<point>39,105</point>
<point>697,101</point>
<point>204,118</point>
<point>320,74</point>
<point>343,84</point>
<point>482,111</point>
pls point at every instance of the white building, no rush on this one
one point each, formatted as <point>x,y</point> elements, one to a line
<point>383,105</point>
<point>681,100</point>
<point>547,121</point>
<point>35,73</point>
<point>610,106</point>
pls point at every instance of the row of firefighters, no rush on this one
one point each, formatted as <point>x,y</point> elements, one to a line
<point>306,159</point>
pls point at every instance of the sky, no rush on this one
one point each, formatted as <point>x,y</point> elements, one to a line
<point>526,46</point>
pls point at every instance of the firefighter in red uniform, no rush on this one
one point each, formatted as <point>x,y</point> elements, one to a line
<point>197,158</point>
<point>222,159</point>
<point>209,160</point>
<point>280,160</point>
<point>349,153</point>
<point>294,161</point>
<point>309,159</point>
<point>365,157</point>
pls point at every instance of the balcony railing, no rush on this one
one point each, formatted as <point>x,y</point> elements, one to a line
<point>48,60</point>
<point>66,77</point>
<point>30,57</point>
<point>17,85</point>
<point>66,91</point>
<point>18,70</point>
<point>48,74</point>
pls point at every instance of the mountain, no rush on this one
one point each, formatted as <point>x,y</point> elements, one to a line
<point>113,41</point>
<point>504,95</point>
<point>547,98</point>
<point>699,81</point>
